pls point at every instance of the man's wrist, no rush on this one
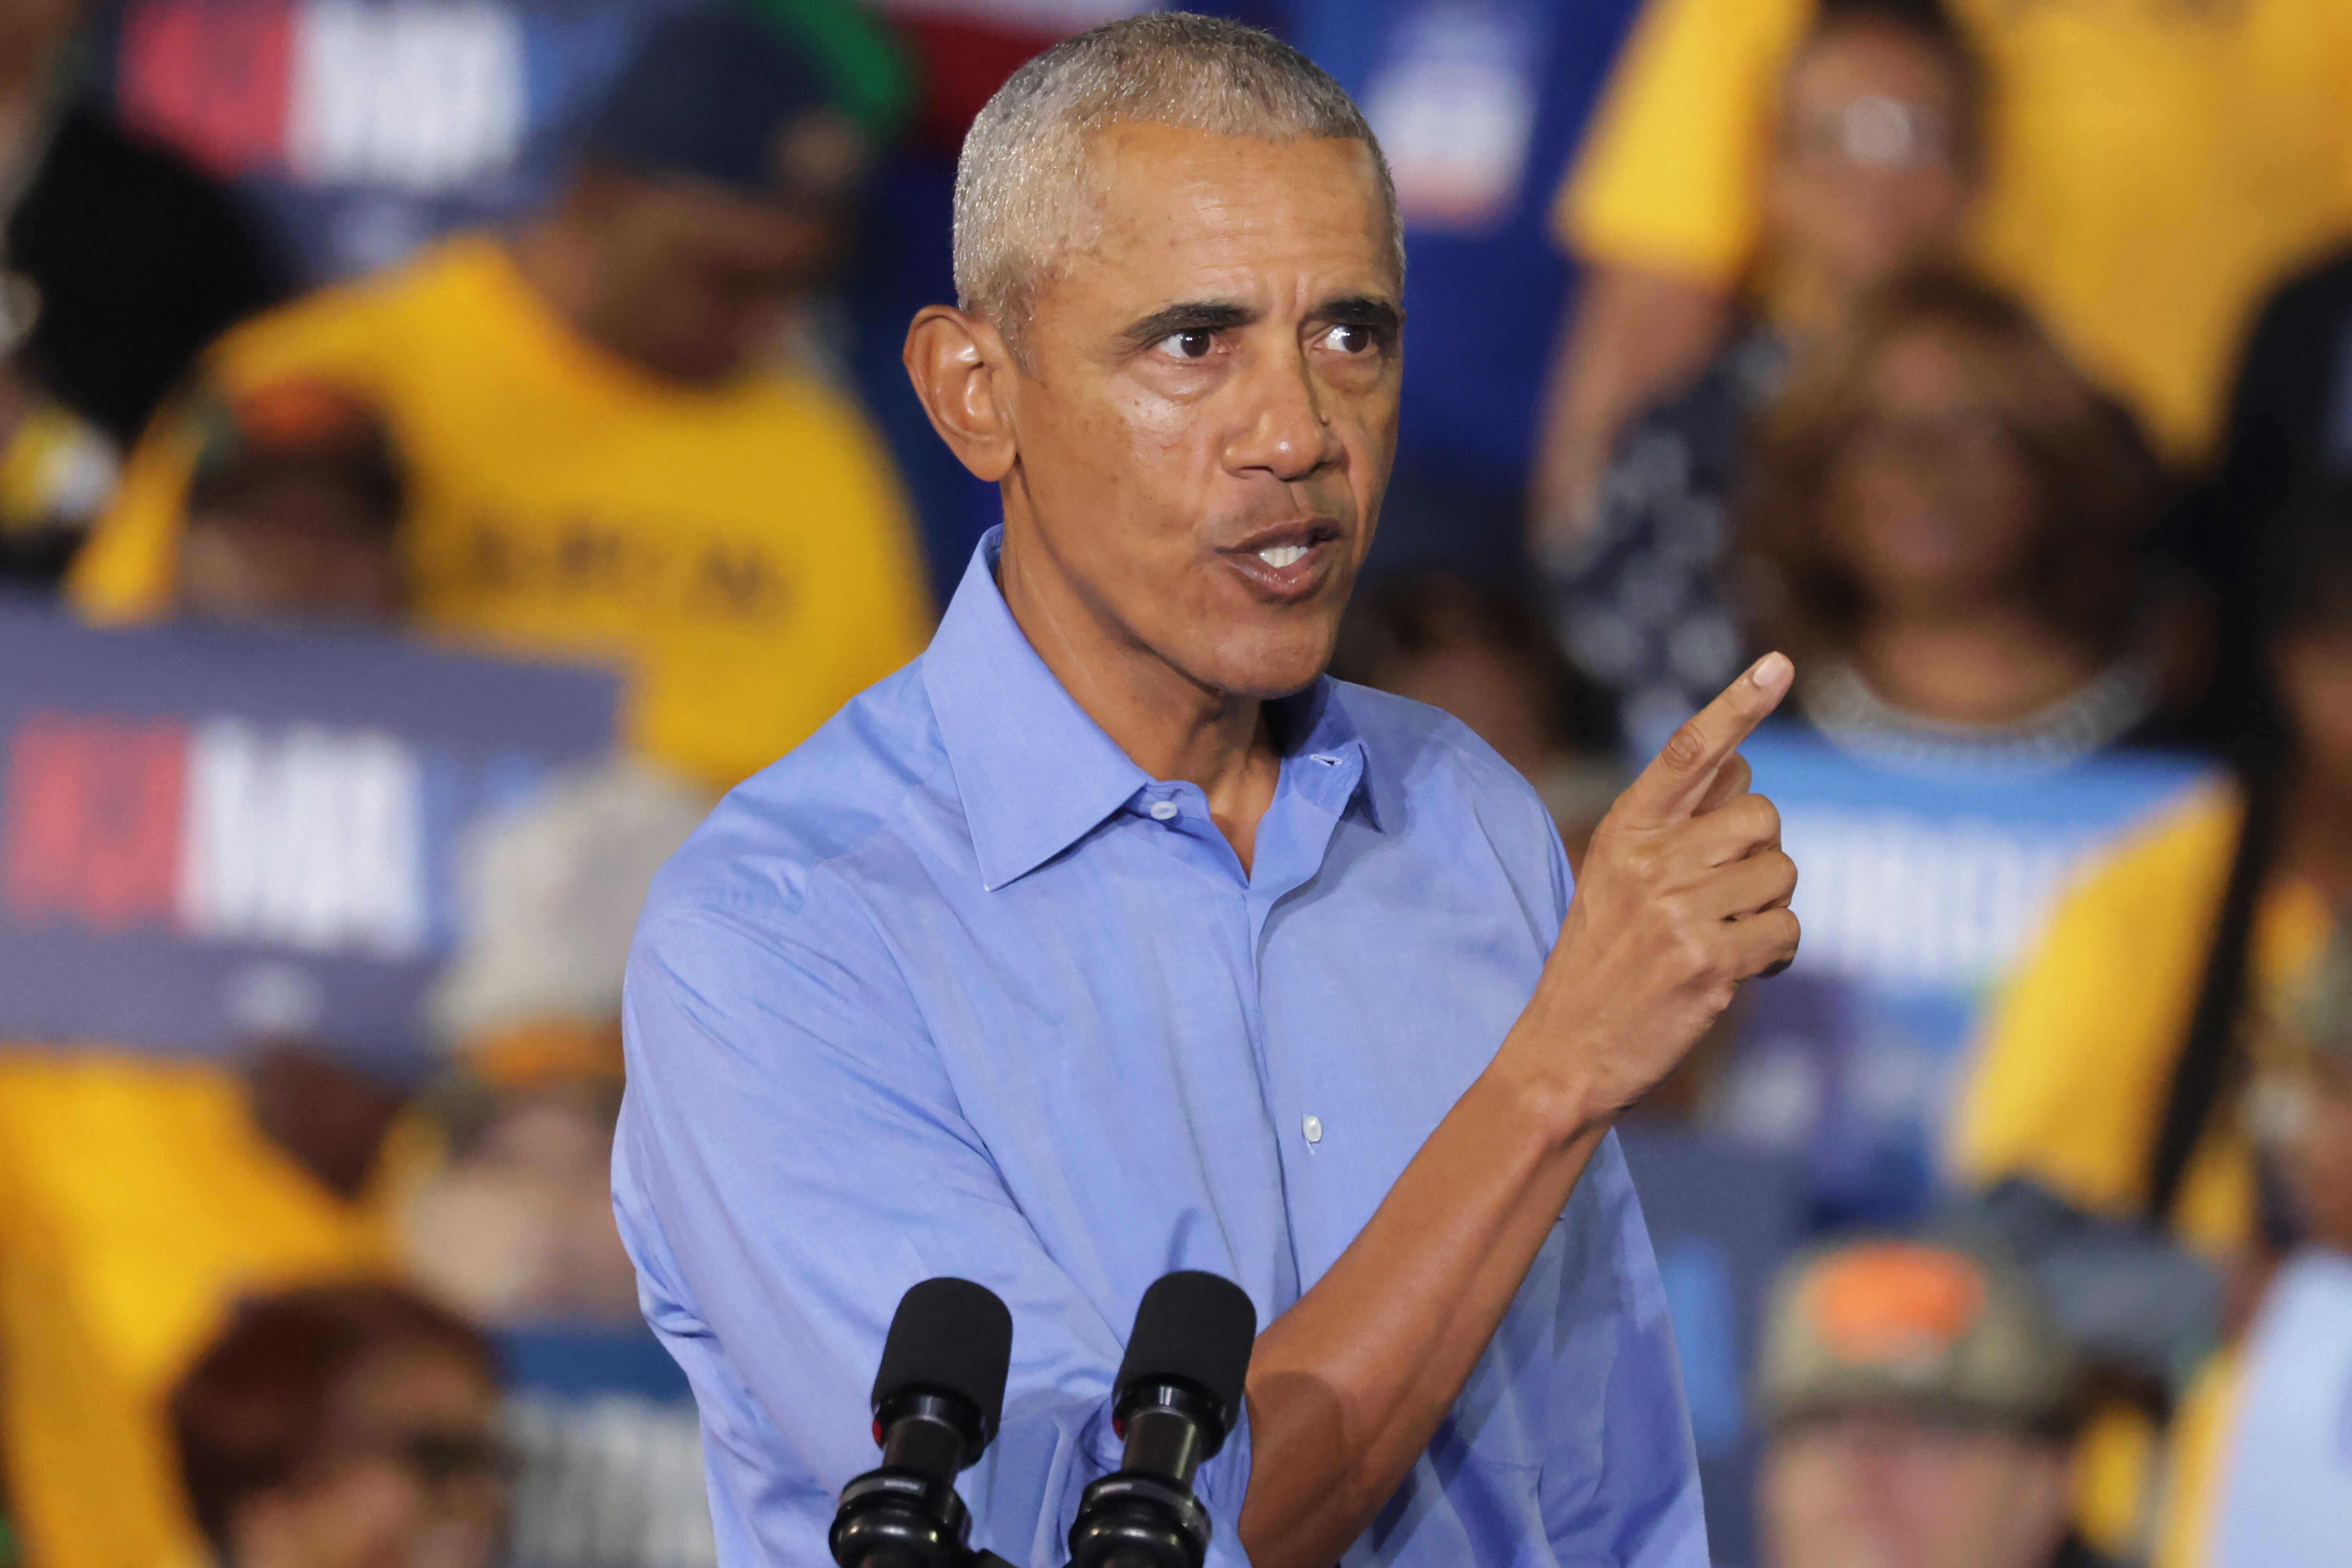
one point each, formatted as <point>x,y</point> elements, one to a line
<point>1559,1106</point>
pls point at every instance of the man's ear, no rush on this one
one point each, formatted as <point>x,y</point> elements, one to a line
<point>964,373</point>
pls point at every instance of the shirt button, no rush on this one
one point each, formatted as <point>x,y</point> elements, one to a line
<point>1164,811</point>
<point>1313,1127</point>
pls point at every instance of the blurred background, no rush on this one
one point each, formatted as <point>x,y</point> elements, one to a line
<point>436,461</point>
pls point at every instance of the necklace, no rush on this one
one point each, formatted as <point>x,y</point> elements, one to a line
<point>1840,703</point>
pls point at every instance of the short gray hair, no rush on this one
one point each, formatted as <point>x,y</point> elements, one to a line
<point>1020,189</point>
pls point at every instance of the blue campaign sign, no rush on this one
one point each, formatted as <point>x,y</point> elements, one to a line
<point>210,834</point>
<point>1920,891</point>
<point>363,127</point>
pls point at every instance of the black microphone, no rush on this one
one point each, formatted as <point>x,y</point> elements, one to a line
<point>1179,1392</point>
<point>937,1399</point>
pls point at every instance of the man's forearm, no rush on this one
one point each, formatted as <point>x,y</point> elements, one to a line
<point>1347,1387</point>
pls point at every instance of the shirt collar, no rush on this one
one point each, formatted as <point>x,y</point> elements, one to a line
<point>1324,754</point>
<point>1034,772</point>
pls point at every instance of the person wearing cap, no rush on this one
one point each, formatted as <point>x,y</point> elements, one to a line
<point>607,456</point>
<point>1922,1412</point>
<point>293,504</point>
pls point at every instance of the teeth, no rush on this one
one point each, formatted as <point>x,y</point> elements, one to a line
<point>1279,555</point>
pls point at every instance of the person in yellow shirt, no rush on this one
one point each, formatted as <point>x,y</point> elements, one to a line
<point>2154,165</point>
<point>602,462</point>
<point>139,1199</point>
<point>2108,1070</point>
<point>2077,1066</point>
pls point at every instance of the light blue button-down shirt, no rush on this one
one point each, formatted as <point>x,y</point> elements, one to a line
<point>957,989</point>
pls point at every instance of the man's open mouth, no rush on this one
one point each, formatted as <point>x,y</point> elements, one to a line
<point>1289,561</point>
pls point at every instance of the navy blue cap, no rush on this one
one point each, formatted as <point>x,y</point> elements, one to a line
<point>706,94</point>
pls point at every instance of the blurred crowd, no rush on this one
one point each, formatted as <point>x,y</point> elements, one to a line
<point>1994,359</point>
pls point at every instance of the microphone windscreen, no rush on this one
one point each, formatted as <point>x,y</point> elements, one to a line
<point>1197,1327</point>
<point>952,1336</point>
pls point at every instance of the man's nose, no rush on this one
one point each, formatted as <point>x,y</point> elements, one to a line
<point>1287,430</point>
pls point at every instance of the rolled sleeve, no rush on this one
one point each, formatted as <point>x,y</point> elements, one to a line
<point>789,1160</point>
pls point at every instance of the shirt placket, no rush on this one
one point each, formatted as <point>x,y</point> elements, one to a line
<point>1294,838</point>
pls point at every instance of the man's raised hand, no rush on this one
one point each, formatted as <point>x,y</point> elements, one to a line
<point>1684,893</point>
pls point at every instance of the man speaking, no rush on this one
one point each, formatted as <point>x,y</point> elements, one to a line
<point>1111,938</point>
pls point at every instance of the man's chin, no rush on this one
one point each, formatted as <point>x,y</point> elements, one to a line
<point>1266,669</point>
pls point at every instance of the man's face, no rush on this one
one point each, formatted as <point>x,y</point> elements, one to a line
<point>695,278</point>
<point>1209,407</point>
<point>1880,1490</point>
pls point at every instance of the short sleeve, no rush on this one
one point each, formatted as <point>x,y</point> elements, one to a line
<point>2070,1075</point>
<point>789,1160</point>
<point>1670,175</point>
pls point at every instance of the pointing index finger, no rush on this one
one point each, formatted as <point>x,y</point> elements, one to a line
<point>1678,779</point>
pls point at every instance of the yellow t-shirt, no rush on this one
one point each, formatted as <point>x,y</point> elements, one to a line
<point>137,1203</point>
<point>2076,1056</point>
<point>2155,166</point>
<point>743,553</point>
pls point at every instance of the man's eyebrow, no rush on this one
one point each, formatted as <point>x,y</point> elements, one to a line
<point>1362,311</point>
<point>1189,316</point>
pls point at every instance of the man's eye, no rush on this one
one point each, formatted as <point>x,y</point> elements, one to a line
<point>1348,340</point>
<point>1191,344</point>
